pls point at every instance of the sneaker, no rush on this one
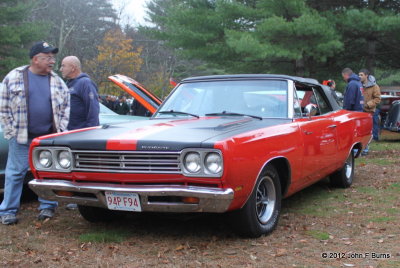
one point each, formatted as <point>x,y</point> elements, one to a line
<point>71,206</point>
<point>364,153</point>
<point>9,219</point>
<point>46,214</point>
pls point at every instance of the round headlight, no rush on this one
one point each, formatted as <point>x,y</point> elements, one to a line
<point>192,162</point>
<point>64,159</point>
<point>213,163</point>
<point>45,159</point>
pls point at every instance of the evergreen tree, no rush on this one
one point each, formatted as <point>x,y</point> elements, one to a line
<point>370,30</point>
<point>17,34</point>
<point>248,36</point>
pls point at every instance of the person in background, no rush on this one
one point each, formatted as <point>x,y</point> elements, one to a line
<point>353,98</point>
<point>138,109</point>
<point>84,98</point>
<point>114,103</point>
<point>372,98</point>
<point>108,102</point>
<point>122,107</point>
<point>34,101</point>
<point>332,85</point>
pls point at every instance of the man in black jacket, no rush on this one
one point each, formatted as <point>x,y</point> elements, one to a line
<point>122,107</point>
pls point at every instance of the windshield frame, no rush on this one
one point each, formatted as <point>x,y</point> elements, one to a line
<point>289,97</point>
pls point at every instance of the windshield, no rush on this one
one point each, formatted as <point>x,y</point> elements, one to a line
<point>263,98</point>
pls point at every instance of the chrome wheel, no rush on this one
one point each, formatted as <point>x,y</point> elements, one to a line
<point>265,199</point>
<point>349,167</point>
<point>344,177</point>
<point>260,214</point>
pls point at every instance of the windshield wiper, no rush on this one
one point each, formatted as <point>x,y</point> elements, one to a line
<point>178,112</point>
<point>234,114</point>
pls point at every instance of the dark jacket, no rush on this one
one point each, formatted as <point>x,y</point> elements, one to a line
<point>353,98</point>
<point>138,109</point>
<point>122,108</point>
<point>84,103</point>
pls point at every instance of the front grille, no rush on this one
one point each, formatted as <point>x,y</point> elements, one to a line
<point>127,162</point>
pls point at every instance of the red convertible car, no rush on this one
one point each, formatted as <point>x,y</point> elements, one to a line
<point>233,143</point>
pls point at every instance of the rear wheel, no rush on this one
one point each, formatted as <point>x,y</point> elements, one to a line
<point>96,214</point>
<point>343,178</point>
<point>261,212</point>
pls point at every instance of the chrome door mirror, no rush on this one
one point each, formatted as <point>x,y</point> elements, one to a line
<point>310,110</point>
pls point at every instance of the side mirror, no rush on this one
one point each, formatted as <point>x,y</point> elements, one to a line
<point>310,110</point>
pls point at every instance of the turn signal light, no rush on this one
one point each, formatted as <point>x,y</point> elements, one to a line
<point>64,193</point>
<point>190,200</point>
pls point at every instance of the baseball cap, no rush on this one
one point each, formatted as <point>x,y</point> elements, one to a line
<point>42,47</point>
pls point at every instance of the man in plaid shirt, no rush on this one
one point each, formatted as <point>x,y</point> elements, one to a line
<point>34,101</point>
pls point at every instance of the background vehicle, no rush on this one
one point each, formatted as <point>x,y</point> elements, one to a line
<point>392,121</point>
<point>386,104</point>
<point>237,143</point>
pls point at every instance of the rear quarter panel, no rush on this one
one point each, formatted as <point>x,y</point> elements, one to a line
<point>352,128</point>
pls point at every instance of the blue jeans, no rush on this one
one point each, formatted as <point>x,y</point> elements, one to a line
<point>16,169</point>
<point>376,125</point>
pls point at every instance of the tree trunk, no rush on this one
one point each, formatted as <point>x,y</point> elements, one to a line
<point>371,54</point>
<point>300,67</point>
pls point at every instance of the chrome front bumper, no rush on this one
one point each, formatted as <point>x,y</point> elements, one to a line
<point>92,194</point>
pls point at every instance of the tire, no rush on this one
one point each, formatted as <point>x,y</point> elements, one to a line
<point>258,218</point>
<point>343,178</point>
<point>96,214</point>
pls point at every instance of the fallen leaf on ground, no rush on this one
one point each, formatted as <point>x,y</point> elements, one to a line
<point>230,252</point>
<point>281,252</point>
<point>180,247</point>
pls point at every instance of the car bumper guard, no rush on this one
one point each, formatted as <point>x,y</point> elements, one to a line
<point>152,197</point>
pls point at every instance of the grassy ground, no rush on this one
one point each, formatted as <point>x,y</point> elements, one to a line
<point>355,227</point>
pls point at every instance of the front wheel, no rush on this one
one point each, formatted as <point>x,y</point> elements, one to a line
<point>261,212</point>
<point>343,178</point>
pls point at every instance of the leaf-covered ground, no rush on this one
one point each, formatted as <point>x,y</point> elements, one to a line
<point>319,227</point>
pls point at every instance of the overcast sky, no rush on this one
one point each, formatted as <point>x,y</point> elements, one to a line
<point>133,11</point>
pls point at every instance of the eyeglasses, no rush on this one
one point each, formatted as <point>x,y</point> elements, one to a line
<point>47,58</point>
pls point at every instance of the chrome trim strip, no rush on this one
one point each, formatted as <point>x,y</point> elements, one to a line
<point>210,199</point>
<point>290,99</point>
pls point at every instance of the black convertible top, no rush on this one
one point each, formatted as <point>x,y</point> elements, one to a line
<point>307,81</point>
<point>250,76</point>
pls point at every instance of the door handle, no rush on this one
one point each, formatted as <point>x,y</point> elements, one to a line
<point>308,132</point>
<point>332,126</point>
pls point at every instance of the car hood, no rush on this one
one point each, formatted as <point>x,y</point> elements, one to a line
<point>159,134</point>
<point>150,101</point>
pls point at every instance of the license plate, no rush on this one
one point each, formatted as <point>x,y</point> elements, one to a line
<point>123,201</point>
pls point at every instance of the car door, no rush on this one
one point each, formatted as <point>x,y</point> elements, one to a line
<point>150,101</point>
<point>319,135</point>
